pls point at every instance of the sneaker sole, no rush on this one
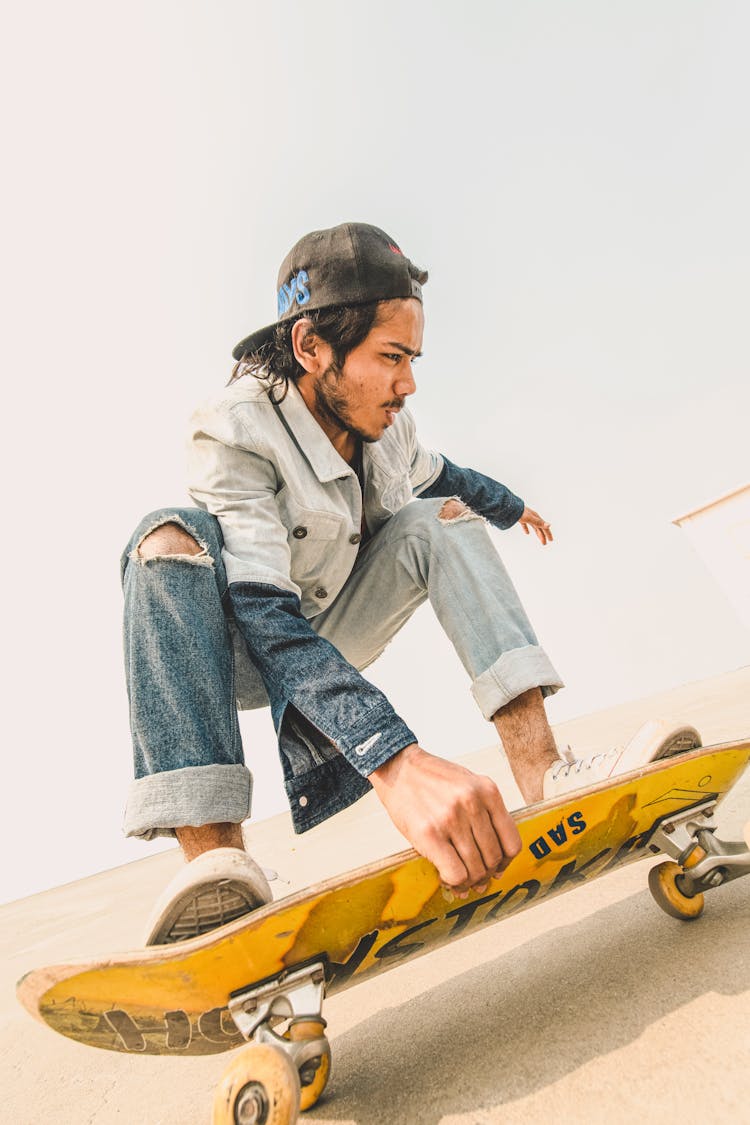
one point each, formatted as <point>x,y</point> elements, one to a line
<point>204,908</point>
<point>680,743</point>
<point>637,754</point>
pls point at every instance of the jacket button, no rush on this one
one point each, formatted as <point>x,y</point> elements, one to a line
<point>321,593</point>
<point>303,802</point>
<point>299,532</point>
<point>355,538</point>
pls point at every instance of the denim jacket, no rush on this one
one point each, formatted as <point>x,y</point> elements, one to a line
<point>290,510</point>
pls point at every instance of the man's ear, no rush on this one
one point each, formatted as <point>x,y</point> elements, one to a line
<point>308,347</point>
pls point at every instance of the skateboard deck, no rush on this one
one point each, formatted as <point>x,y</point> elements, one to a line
<point>174,999</point>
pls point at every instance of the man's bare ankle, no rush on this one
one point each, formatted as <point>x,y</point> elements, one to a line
<point>194,841</point>
<point>530,776</point>
<point>528,742</point>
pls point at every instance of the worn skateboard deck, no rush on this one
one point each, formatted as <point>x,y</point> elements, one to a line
<point>172,1000</point>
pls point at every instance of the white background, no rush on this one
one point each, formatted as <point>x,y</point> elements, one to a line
<point>576,179</point>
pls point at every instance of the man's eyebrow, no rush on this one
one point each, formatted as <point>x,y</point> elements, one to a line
<point>402,348</point>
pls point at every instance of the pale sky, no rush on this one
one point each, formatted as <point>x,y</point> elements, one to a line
<point>574,176</point>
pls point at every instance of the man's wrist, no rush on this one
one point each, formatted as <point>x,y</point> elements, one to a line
<point>384,775</point>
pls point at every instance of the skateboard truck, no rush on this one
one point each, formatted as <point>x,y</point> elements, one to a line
<point>295,995</point>
<point>702,861</point>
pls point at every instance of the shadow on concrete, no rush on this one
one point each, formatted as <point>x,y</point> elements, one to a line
<point>517,1024</point>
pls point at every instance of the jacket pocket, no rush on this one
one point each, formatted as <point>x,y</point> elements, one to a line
<point>312,535</point>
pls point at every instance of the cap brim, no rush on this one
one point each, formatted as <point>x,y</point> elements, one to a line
<point>254,341</point>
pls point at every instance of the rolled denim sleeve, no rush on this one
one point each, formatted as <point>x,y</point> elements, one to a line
<point>304,669</point>
<point>499,506</point>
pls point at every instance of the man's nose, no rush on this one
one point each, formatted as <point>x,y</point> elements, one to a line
<point>405,384</point>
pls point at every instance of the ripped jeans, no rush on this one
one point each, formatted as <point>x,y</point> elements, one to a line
<point>188,669</point>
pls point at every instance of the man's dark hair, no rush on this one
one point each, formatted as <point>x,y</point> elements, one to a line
<point>342,327</point>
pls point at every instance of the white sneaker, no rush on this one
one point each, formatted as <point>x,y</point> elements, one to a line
<point>215,888</point>
<point>656,739</point>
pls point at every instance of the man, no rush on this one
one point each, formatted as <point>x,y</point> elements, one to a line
<point>322,524</point>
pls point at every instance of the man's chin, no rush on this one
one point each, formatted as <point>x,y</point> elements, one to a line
<point>370,439</point>
<point>371,435</point>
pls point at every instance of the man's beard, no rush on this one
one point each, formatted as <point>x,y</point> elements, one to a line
<point>333,406</point>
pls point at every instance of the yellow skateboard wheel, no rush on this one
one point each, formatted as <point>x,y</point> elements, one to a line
<point>259,1087</point>
<point>664,886</point>
<point>313,1078</point>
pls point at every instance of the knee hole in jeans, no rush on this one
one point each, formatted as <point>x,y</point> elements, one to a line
<point>454,511</point>
<point>169,539</point>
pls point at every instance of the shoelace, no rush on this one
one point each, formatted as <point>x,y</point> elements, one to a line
<point>575,765</point>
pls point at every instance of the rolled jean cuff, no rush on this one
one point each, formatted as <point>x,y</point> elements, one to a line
<point>194,795</point>
<point>514,673</point>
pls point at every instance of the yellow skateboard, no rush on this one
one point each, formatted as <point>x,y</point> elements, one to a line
<point>263,978</point>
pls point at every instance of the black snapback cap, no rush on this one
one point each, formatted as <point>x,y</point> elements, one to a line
<point>350,264</point>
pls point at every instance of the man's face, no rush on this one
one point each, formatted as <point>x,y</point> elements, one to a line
<point>363,397</point>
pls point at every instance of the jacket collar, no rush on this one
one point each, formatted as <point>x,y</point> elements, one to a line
<point>316,446</point>
<point>325,462</point>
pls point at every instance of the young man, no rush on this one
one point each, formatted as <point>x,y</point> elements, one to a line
<point>322,524</point>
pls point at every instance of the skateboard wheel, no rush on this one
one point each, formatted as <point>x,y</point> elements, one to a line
<point>663,881</point>
<point>314,1074</point>
<point>259,1087</point>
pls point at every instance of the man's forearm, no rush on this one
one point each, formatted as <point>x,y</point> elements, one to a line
<point>304,669</point>
<point>501,507</point>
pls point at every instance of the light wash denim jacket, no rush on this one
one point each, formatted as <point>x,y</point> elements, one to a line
<point>290,511</point>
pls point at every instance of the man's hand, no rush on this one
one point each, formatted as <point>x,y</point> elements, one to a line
<point>454,818</point>
<point>531,519</point>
